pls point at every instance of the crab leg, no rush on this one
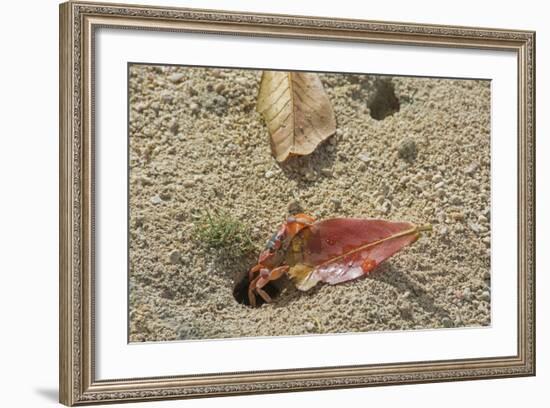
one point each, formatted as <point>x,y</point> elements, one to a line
<point>274,274</point>
<point>264,295</point>
<point>253,270</point>
<point>300,219</point>
<point>251,295</point>
<point>268,276</point>
<point>263,279</point>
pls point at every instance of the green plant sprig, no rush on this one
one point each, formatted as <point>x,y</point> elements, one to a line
<point>222,232</point>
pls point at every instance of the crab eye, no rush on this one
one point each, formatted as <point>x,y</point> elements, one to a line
<point>271,243</point>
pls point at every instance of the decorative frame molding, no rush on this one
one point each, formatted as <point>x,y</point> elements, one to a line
<point>78,20</point>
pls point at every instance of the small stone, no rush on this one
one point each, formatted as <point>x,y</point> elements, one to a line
<point>473,184</point>
<point>379,199</point>
<point>485,296</point>
<point>364,157</point>
<point>188,183</point>
<point>470,169</point>
<point>195,108</point>
<point>457,216</point>
<point>337,203</point>
<point>406,310</point>
<point>219,88</point>
<point>310,175</point>
<point>167,97</point>
<point>174,126</point>
<point>241,81</point>
<point>146,181</point>
<point>165,196</point>
<point>446,322</point>
<point>467,294</point>
<point>138,223</point>
<point>326,172</point>
<point>385,208</point>
<point>217,73</point>
<point>482,219</point>
<point>310,326</point>
<point>455,200</point>
<point>437,178</point>
<point>175,257</point>
<point>148,132</point>
<point>166,293</point>
<point>486,275</point>
<point>487,240</point>
<point>216,103</point>
<point>439,185</point>
<point>474,227</point>
<point>269,174</point>
<point>156,199</point>
<point>140,107</point>
<point>176,78</point>
<point>407,149</point>
<point>294,207</point>
<point>443,231</point>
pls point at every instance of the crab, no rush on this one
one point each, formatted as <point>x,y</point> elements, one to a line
<point>331,251</point>
<point>269,266</point>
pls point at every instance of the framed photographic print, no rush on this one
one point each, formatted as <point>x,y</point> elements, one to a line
<point>259,203</point>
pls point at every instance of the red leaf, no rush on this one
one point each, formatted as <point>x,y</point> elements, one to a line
<point>342,249</point>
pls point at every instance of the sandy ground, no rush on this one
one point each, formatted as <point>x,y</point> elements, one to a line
<point>197,143</point>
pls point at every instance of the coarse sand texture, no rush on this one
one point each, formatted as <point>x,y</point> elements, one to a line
<point>406,149</point>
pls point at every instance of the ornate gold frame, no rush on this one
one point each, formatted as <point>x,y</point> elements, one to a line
<point>78,21</point>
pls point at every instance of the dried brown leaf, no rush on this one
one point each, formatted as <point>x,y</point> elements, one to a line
<point>297,112</point>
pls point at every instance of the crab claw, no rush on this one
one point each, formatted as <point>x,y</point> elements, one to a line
<point>295,223</point>
<point>264,277</point>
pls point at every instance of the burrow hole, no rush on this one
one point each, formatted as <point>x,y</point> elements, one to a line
<point>240,290</point>
<point>383,102</point>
